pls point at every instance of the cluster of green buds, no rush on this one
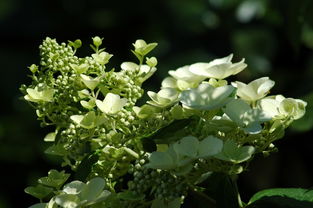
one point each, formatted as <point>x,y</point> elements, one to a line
<point>197,124</point>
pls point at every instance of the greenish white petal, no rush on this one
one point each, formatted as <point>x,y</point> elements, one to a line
<point>79,69</point>
<point>234,153</point>
<point>218,68</point>
<point>210,146</point>
<point>255,90</point>
<point>187,146</point>
<point>184,73</point>
<point>111,104</point>
<point>164,98</point>
<point>206,97</point>
<point>102,58</point>
<point>36,95</point>
<point>90,82</point>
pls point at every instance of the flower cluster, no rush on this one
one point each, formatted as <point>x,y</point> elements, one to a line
<point>197,124</point>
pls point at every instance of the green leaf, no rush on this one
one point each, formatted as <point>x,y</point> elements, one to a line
<point>39,205</point>
<point>159,203</point>
<point>93,189</point>
<point>54,179</point>
<point>76,44</point>
<point>84,168</point>
<point>282,197</point>
<point>130,196</point>
<point>175,203</point>
<point>167,133</point>
<point>56,150</point>
<point>38,191</point>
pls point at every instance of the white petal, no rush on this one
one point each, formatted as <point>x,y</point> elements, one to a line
<point>210,146</point>
<point>129,66</point>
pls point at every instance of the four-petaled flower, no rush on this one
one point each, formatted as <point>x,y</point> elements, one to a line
<point>36,95</point>
<point>255,90</point>
<point>206,97</point>
<point>111,104</point>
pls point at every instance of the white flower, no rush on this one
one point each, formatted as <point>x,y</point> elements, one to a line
<point>206,97</point>
<point>191,147</point>
<point>90,82</point>
<point>152,62</point>
<point>218,68</point>
<point>169,82</point>
<point>82,68</point>
<point>102,58</point>
<point>111,104</point>
<point>184,73</point>
<point>234,153</point>
<point>144,71</point>
<point>280,107</point>
<point>183,152</point>
<point>142,48</point>
<point>244,116</point>
<point>255,90</point>
<point>36,95</point>
<point>293,107</point>
<point>164,98</point>
<point>87,121</point>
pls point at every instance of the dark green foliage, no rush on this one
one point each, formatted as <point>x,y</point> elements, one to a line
<point>282,198</point>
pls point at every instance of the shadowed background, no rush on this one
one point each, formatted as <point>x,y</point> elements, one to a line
<point>275,37</point>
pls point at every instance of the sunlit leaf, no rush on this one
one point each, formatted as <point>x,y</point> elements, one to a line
<point>54,179</point>
<point>38,191</point>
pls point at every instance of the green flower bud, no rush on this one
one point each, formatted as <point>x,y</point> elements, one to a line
<point>33,68</point>
<point>97,41</point>
<point>152,62</point>
<point>76,44</point>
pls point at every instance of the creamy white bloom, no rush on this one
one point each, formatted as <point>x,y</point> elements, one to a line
<point>111,104</point>
<point>102,58</point>
<point>280,107</point>
<point>190,146</point>
<point>142,48</point>
<point>249,119</point>
<point>184,73</point>
<point>36,95</point>
<point>255,90</point>
<point>206,97</point>
<point>165,97</point>
<point>82,68</point>
<point>90,82</point>
<point>218,68</point>
<point>144,71</point>
<point>87,121</point>
<point>169,82</point>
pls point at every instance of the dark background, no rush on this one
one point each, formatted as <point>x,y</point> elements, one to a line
<point>275,37</point>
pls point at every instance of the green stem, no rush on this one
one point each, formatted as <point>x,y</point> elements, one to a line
<point>234,180</point>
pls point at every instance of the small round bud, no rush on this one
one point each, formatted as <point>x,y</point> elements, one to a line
<point>152,62</point>
<point>97,41</point>
<point>33,68</point>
